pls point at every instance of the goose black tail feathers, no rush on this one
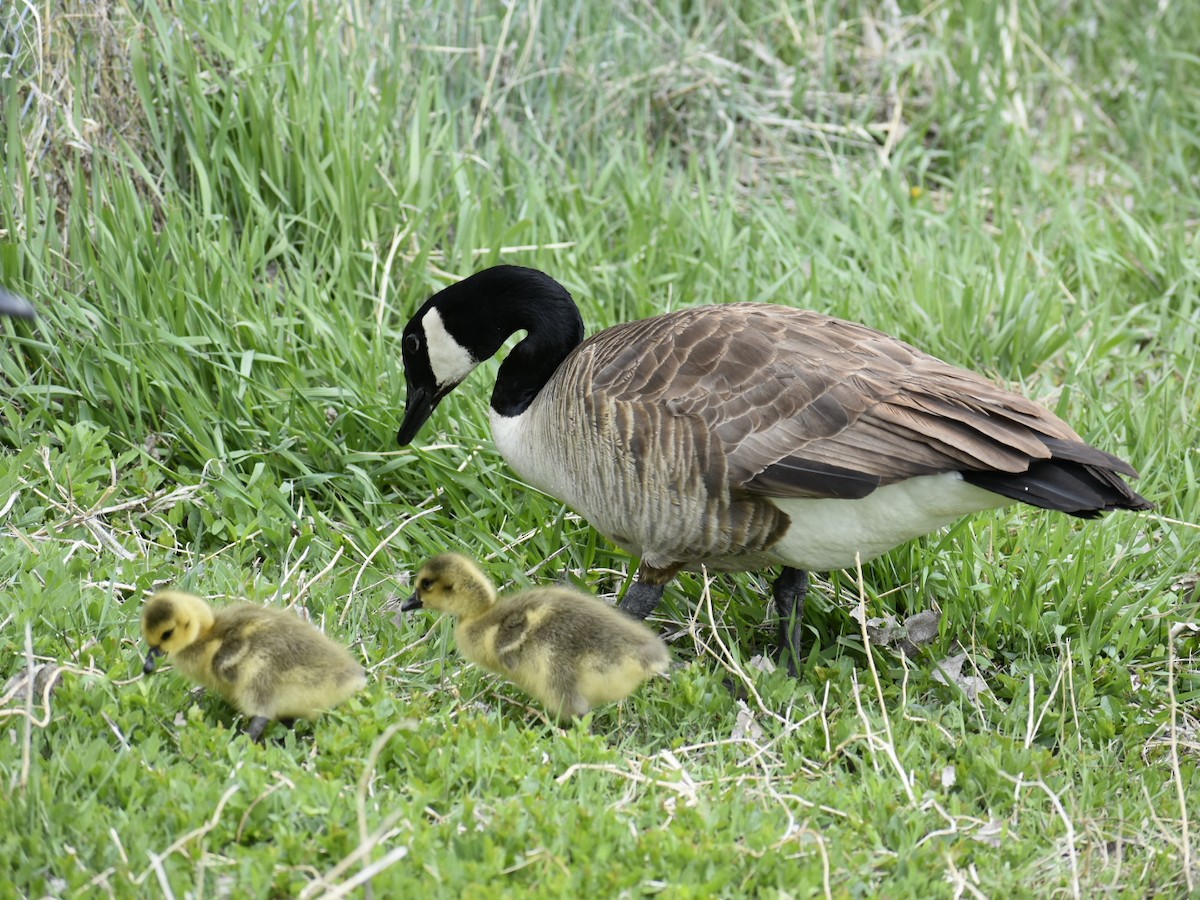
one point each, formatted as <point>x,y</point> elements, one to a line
<point>1078,480</point>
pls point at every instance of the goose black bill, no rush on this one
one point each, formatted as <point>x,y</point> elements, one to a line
<point>417,410</point>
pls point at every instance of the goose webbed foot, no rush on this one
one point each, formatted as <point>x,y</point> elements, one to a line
<point>641,599</point>
<point>790,588</point>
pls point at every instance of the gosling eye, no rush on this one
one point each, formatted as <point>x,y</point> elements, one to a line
<point>426,584</point>
<point>166,635</point>
<point>412,343</point>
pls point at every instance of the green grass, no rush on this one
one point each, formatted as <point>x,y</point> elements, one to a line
<point>226,213</point>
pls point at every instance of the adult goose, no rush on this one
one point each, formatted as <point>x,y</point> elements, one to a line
<point>745,435</point>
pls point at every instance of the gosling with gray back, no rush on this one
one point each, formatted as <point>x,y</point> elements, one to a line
<point>746,435</point>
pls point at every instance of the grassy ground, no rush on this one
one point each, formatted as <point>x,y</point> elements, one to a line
<point>226,213</point>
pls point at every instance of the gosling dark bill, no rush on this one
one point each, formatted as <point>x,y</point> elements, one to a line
<point>148,668</point>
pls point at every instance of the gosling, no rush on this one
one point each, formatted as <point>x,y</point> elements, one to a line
<point>568,649</point>
<point>266,662</point>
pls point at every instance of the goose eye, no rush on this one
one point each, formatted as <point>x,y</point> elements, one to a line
<point>412,343</point>
<point>166,635</point>
<point>426,584</point>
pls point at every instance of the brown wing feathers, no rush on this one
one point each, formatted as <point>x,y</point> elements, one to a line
<point>803,405</point>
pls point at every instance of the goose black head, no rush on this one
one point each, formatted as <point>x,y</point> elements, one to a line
<point>464,324</point>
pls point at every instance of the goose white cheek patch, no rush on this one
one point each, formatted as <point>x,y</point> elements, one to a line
<point>450,360</point>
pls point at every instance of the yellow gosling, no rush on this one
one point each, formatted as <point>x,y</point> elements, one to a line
<point>269,663</point>
<point>568,649</point>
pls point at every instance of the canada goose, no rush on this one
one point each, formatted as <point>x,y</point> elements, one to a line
<point>568,649</point>
<point>14,305</point>
<point>268,663</point>
<point>747,435</point>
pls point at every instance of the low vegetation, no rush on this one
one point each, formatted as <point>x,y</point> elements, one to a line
<point>225,213</point>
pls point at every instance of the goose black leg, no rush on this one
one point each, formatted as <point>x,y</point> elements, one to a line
<point>641,598</point>
<point>257,726</point>
<point>790,589</point>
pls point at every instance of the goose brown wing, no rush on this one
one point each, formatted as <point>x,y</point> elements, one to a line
<point>799,404</point>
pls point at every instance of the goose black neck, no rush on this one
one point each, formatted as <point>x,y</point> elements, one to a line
<point>494,304</point>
